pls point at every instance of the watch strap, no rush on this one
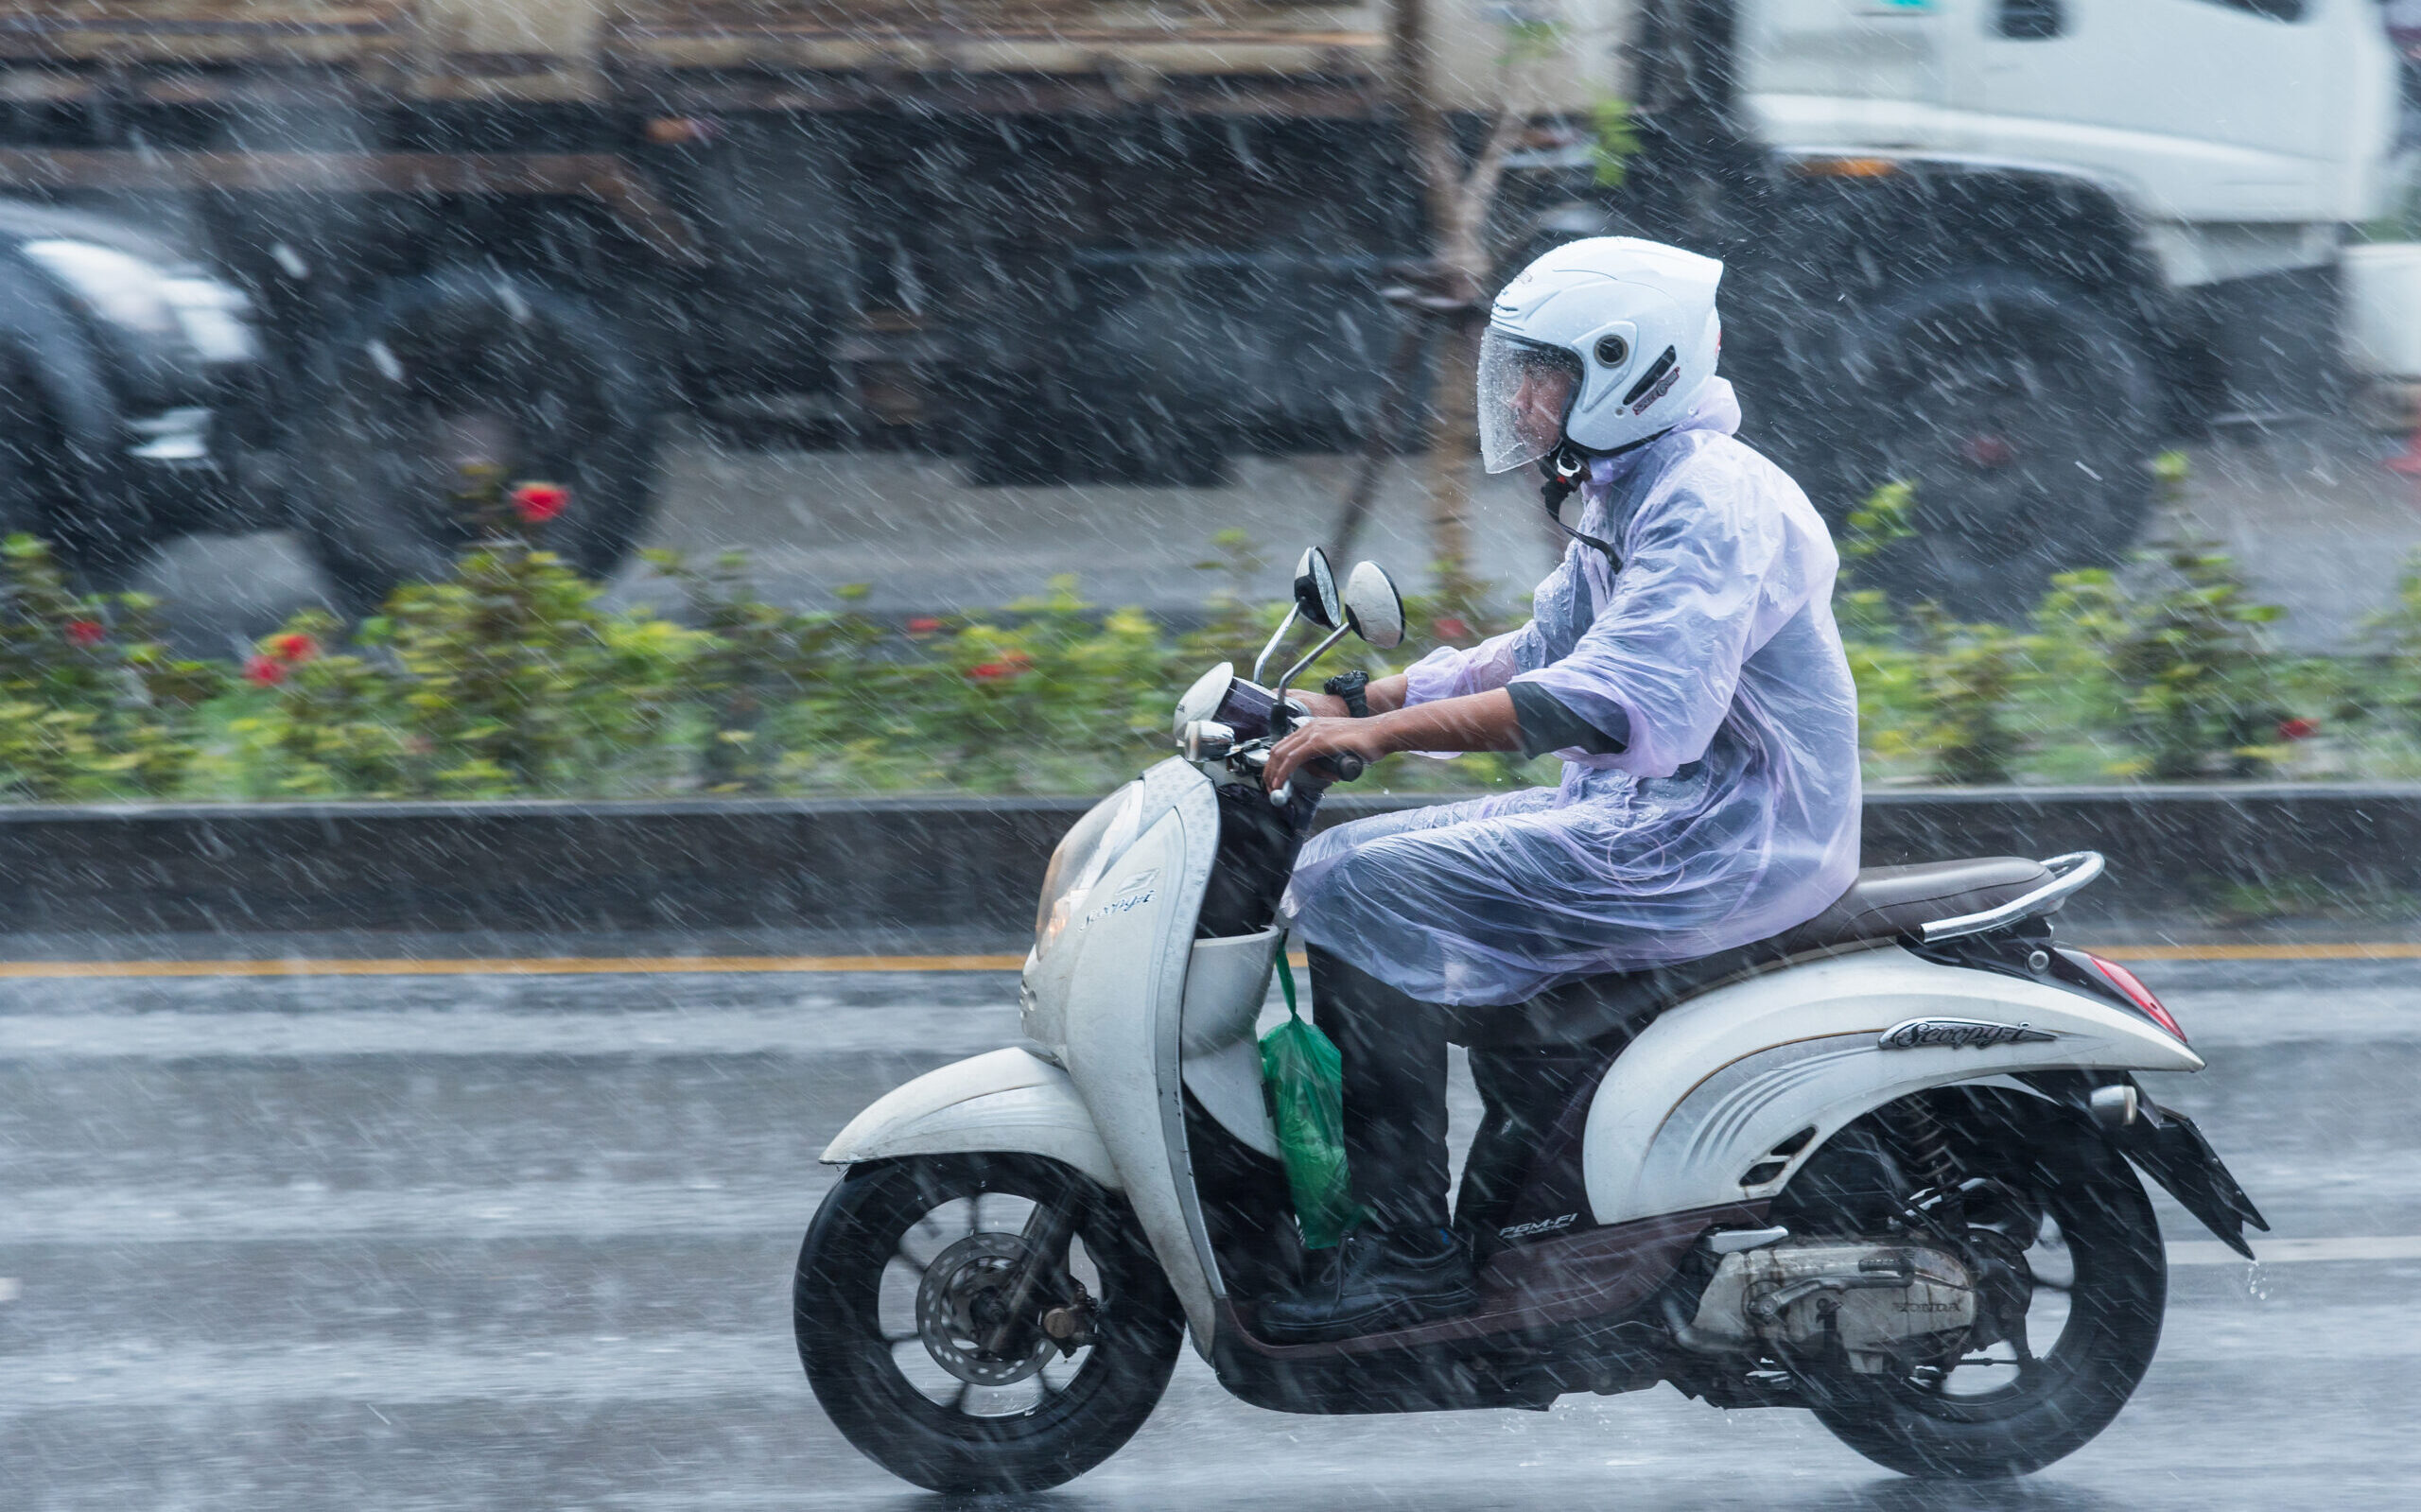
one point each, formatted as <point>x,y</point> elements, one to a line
<point>1350,686</point>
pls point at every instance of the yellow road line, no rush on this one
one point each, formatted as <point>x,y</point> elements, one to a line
<point>2374,952</point>
<point>524,966</point>
<point>773,964</point>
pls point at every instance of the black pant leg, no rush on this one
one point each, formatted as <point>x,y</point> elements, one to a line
<point>1394,1050</point>
<point>1522,1092</point>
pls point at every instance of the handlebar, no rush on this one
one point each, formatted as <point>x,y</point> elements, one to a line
<point>1343,767</point>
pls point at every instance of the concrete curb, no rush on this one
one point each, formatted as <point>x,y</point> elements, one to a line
<point>973,864</point>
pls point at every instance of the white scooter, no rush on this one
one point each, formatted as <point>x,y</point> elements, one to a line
<point>1879,1167</point>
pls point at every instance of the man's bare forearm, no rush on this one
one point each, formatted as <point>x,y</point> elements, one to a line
<point>1482,721</point>
<point>1476,722</point>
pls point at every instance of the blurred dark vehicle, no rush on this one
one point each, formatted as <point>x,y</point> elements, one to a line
<point>2002,247</point>
<point>130,387</point>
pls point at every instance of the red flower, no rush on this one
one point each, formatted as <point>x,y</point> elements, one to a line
<point>292,647</point>
<point>264,672</point>
<point>2298,729</point>
<point>1451,628</point>
<point>1006,667</point>
<point>86,632</point>
<point>923,625</point>
<point>537,503</point>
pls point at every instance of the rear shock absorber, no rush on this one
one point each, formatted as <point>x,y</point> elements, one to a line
<point>1929,1147</point>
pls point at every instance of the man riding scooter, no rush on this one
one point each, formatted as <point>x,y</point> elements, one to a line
<point>1683,662</point>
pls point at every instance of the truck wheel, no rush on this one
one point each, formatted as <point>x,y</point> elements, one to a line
<point>2023,415</point>
<point>62,476</point>
<point>438,377</point>
<point>35,485</point>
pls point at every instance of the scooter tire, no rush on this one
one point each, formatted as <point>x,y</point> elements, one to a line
<point>853,1368</point>
<point>2113,1329</point>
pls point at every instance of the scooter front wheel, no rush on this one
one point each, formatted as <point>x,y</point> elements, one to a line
<point>934,1356</point>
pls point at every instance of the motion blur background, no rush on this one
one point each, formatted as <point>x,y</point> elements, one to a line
<point>385,382</point>
<point>945,299</point>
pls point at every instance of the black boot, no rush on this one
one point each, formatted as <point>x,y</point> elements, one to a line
<point>1373,1280</point>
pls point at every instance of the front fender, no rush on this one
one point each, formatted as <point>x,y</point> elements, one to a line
<point>1009,1100</point>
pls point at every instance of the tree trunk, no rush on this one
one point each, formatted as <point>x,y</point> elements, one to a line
<point>1459,195</point>
<point>1453,436</point>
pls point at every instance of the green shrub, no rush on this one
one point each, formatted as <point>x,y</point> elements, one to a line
<point>513,671</point>
<point>1026,698</point>
<point>1969,677</point>
<point>93,705</point>
<point>2196,666</point>
<point>327,723</point>
<point>758,663</point>
<point>512,676</point>
<point>2394,636</point>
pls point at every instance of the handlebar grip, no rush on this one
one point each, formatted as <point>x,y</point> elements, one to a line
<point>1345,766</point>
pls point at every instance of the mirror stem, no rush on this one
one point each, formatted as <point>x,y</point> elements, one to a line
<point>1313,654</point>
<point>1261,661</point>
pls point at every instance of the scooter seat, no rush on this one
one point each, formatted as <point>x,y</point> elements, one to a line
<point>1889,901</point>
<point>1885,903</point>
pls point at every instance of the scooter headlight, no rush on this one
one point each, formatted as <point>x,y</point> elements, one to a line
<point>1084,852</point>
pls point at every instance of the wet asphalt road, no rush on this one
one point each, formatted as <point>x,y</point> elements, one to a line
<point>524,1242</point>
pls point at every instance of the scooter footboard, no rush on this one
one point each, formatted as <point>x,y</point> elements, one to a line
<point>1724,1098</point>
<point>1008,1100</point>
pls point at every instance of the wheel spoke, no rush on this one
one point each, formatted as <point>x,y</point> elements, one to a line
<point>1072,1366</point>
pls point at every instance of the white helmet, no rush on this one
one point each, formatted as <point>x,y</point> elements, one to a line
<point>1604,343</point>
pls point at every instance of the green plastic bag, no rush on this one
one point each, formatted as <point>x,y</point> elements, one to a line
<point>1303,1077</point>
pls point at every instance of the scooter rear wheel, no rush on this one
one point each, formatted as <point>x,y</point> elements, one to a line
<point>897,1303</point>
<point>2089,1250</point>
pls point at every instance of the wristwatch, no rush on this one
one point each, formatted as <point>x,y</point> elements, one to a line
<point>1348,687</point>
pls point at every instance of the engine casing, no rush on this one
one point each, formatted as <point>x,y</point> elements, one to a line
<point>1889,1305</point>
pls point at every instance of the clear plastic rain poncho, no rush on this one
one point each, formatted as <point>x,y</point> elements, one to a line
<point>1731,815</point>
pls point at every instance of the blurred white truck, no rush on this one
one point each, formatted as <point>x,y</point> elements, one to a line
<point>2002,247</point>
<point>2022,240</point>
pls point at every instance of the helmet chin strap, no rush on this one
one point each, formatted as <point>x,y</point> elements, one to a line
<point>1566,467</point>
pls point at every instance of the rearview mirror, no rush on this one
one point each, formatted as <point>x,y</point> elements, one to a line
<point>1373,607</point>
<point>1315,590</point>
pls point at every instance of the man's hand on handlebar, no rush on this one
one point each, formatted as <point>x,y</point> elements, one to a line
<point>1478,722</point>
<point>1319,737</point>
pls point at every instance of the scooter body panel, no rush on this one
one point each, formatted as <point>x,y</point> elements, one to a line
<point>1712,1102</point>
<point>1005,1101</point>
<point>1112,983</point>
<point>1225,986</point>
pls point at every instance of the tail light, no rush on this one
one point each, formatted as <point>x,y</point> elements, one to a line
<point>2139,994</point>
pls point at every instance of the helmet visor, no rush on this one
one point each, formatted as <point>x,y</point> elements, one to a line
<point>1525,390</point>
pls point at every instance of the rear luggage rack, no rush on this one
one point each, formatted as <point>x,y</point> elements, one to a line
<point>2069,873</point>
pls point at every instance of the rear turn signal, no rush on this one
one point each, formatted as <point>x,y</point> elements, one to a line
<point>2139,993</point>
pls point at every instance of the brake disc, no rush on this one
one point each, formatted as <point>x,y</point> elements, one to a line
<point>960,1302</point>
